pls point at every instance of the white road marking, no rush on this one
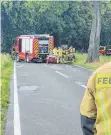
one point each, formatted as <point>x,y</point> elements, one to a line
<point>47,65</point>
<point>84,86</point>
<point>62,74</point>
<point>81,84</point>
<point>54,67</point>
<point>17,126</point>
<point>68,66</point>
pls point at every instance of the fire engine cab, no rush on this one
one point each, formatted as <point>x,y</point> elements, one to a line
<point>33,47</point>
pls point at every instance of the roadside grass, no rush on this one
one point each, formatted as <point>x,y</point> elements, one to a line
<point>81,58</point>
<point>6,71</point>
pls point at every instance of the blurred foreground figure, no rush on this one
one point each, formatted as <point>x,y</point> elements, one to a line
<point>95,108</point>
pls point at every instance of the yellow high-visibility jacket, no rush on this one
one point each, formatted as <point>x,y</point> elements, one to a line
<point>96,103</point>
<point>55,52</point>
<point>66,52</point>
<point>60,52</point>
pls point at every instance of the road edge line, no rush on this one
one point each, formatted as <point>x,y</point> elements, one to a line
<point>17,126</point>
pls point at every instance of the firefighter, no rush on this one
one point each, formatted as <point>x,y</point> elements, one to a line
<point>66,56</point>
<point>60,54</point>
<point>95,108</point>
<point>72,54</point>
<point>55,53</point>
<point>63,55</point>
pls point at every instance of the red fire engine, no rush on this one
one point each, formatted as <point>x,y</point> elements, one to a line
<point>33,47</point>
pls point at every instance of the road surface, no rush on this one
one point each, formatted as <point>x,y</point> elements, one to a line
<point>45,99</point>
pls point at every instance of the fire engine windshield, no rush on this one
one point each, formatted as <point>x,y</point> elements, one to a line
<point>44,42</point>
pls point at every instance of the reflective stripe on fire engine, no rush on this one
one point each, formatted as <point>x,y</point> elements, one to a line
<point>50,44</point>
<point>36,45</point>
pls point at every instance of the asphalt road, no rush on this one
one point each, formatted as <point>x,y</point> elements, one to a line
<point>49,98</point>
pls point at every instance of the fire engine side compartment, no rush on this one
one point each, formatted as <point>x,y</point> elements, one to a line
<point>18,48</point>
<point>24,46</point>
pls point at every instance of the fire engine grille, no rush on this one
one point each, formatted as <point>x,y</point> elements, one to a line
<point>36,47</point>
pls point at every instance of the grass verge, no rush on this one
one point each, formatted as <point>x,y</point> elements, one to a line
<point>81,58</point>
<point>6,71</point>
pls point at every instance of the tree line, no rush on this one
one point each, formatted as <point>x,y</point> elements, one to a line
<point>68,21</point>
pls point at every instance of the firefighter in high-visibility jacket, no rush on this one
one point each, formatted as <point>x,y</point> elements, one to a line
<point>66,55</point>
<point>95,108</point>
<point>72,53</point>
<point>60,54</point>
<point>63,55</point>
<point>55,53</point>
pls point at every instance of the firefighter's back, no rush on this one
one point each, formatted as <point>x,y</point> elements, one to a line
<point>103,100</point>
<point>96,104</point>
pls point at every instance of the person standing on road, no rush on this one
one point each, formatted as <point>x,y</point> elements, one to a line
<point>95,108</point>
<point>58,55</point>
<point>66,55</point>
<point>55,53</point>
<point>72,51</point>
<point>60,51</point>
<point>63,55</point>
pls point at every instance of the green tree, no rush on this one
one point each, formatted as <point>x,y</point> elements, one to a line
<point>69,22</point>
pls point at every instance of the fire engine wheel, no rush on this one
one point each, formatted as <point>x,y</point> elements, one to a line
<point>27,58</point>
<point>17,58</point>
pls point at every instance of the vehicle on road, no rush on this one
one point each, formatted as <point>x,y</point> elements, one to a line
<point>33,47</point>
<point>105,50</point>
<point>51,59</point>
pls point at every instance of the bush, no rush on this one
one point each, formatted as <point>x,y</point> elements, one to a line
<point>6,71</point>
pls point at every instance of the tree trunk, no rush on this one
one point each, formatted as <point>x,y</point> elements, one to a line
<point>94,42</point>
